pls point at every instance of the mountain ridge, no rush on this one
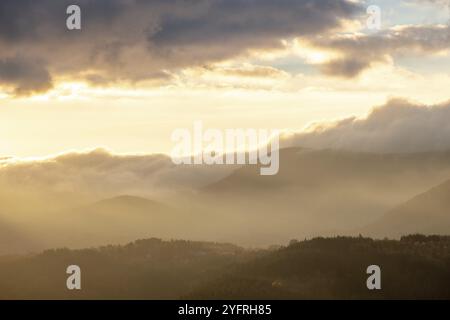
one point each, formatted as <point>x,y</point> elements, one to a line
<point>427,213</point>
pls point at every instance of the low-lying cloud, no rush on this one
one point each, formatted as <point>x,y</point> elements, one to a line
<point>99,173</point>
<point>398,126</point>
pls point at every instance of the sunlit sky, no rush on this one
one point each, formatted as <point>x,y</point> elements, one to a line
<point>136,70</point>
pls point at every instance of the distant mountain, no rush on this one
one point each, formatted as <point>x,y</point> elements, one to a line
<point>308,168</point>
<point>321,192</point>
<point>427,213</point>
<point>116,220</point>
<point>315,193</point>
<point>13,239</point>
<point>127,203</point>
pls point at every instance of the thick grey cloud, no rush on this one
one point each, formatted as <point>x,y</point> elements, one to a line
<point>346,67</point>
<point>397,127</point>
<point>25,75</point>
<point>134,40</point>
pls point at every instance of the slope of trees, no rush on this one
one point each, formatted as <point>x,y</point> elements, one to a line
<point>335,268</point>
<point>328,268</point>
<point>145,269</point>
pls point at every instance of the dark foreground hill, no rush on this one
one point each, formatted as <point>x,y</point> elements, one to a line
<point>144,269</point>
<point>335,268</point>
<point>326,268</point>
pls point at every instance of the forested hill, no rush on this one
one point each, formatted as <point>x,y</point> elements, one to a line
<point>335,268</point>
<point>144,269</point>
<point>413,267</point>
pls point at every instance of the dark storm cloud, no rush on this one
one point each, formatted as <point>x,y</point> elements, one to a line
<point>36,21</point>
<point>25,75</point>
<point>251,20</point>
<point>134,40</point>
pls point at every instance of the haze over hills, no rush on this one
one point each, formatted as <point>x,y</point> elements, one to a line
<point>316,192</point>
<point>12,240</point>
<point>115,115</point>
<point>77,179</point>
<point>126,202</point>
<point>427,213</point>
<point>114,220</point>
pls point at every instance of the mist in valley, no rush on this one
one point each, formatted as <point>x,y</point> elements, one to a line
<point>92,199</point>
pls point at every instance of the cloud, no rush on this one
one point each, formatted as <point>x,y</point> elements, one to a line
<point>24,75</point>
<point>360,52</point>
<point>136,40</point>
<point>251,71</point>
<point>346,67</point>
<point>396,127</point>
<point>440,3</point>
<point>100,174</point>
<point>255,77</point>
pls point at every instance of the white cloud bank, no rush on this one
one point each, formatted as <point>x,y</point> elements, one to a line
<point>398,126</point>
<point>100,173</point>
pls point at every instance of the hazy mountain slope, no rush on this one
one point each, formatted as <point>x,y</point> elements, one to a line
<point>321,192</point>
<point>127,206</point>
<point>12,239</point>
<point>14,234</point>
<point>311,168</point>
<point>315,193</point>
<point>427,213</point>
<point>113,220</point>
<point>40,197</point>
<point>124,218</point>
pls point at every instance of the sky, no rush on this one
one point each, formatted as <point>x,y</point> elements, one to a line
<point>138,70</point>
